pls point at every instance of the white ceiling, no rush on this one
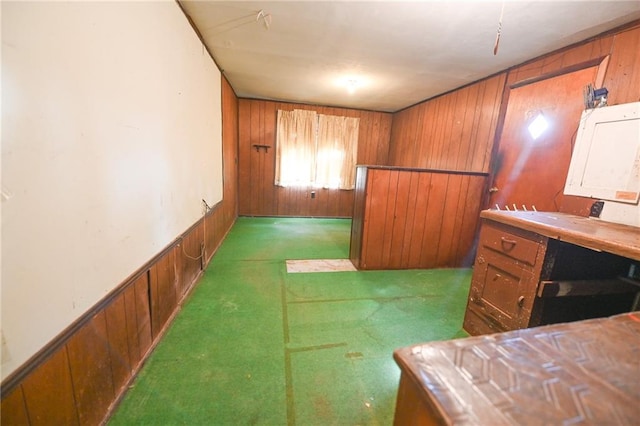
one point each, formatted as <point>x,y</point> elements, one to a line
<point>400,53</point>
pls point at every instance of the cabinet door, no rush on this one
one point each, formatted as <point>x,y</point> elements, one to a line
<point>502,289</point>
<point>505,278</point>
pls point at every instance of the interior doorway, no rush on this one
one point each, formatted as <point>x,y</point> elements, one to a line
<point>531,172</point>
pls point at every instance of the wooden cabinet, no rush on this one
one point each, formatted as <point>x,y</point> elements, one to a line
<point>526,275</point>
<point>505,278</point>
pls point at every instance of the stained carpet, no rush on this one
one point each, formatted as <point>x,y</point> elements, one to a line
<point>256,345</point>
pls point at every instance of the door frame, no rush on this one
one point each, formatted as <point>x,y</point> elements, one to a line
<point>601,62</point>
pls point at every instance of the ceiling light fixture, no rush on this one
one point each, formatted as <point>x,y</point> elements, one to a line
<point>352,84</point>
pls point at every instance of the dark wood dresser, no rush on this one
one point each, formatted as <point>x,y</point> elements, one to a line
<point>536,268</point>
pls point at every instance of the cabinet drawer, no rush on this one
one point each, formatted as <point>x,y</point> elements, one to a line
<point>476,322</point>
<point>511,245</point>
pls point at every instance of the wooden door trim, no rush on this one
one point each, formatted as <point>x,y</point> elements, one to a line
<point>601,62</point>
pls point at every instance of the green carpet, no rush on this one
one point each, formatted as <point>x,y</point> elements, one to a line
<point>255,345</point>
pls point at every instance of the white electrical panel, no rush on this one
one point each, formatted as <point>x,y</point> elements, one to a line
<point>605,164</point>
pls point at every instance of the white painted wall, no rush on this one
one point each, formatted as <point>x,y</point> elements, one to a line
<point>111,137</point>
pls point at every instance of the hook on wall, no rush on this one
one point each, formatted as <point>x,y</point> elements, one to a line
<point>266,18</point>
<point>497,43</point>
<point>259,147</point>
<point>240,21</point>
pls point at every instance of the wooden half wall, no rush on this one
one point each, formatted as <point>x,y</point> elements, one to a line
<point>415,218</point>
<point>258,194</point>
<point>78,377</point>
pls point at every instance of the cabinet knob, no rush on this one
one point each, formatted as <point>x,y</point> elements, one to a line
<point>521,301</point>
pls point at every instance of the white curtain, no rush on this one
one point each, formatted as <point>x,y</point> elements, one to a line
<point>295,147</point>
<point>337,151</point>
<point>316,150</point>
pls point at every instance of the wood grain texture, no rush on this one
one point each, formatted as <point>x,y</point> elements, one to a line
<point>258,196</point>
<point>462,130</point>
<point>163,293</point>
<point>190,259</point>
<point>530,171</point>
<point>48,393</point>
<point>91,372</point>
<point>412,408</point>
<point>621,78</point>
<point>357,223</point>
<point>614,238</point>
<point>143,313</point>
<point>229,158</point>
<point>131,318</point>
<point>506,378</point>
<point>416,218</point>
<point>14,408</point>
<point>454,131</point>
<point>118,334</point>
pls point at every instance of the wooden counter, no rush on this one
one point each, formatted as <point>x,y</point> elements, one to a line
<point>583,372</point>
<point>536,268</point>
<point>595,234</point>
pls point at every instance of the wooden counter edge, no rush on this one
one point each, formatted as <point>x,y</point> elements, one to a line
<point>622,240</point>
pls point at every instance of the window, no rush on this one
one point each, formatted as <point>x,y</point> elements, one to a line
<point>295,147</point>
<point>316,150</point>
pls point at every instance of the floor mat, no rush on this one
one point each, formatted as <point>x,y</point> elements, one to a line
<point>319,265</point>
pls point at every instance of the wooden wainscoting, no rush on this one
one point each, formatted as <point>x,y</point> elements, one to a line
<point>258,196</point>
<point>415,218</point>
<point>79,376</point>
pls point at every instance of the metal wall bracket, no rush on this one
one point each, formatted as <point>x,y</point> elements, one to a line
<point>258,147</point>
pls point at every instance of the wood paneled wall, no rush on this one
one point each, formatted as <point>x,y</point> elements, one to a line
<point>79,376</point>
<point>229,152</point>
<point>621,78</point>
<point>412,218</point>
<point>454,131</point>
<point>461,130</point>
<point>260,197</point>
